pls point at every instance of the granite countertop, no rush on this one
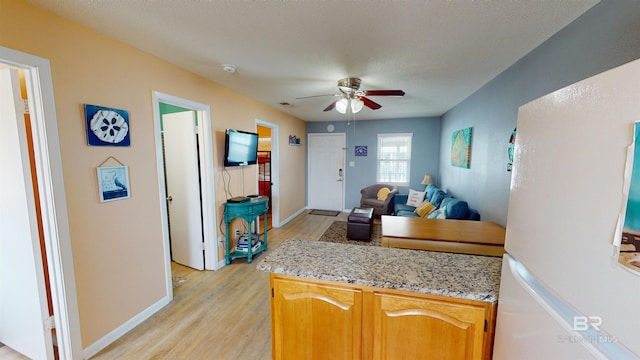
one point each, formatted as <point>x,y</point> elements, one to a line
<point>463,276</point>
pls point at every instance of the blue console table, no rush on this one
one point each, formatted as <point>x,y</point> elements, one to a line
<point>250,211</point>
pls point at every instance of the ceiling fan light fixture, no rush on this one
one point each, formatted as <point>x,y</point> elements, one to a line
<point>352,99</point>
<point>356,105</point>
<point>349,84</point>
<point>341,105</point>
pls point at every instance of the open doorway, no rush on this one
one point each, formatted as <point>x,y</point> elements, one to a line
<point>264,168</point>
<point>180,145</point>
<point>184,154</point>
<point>268,169</point>
<point>34,234</point>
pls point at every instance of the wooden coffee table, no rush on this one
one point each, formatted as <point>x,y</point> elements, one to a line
<point>459,236</point>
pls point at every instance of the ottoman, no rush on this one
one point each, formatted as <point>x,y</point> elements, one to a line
<point>359,224</point>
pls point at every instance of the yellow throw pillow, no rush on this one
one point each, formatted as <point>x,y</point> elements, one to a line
<point>425,208</point>
<point>383,193</point>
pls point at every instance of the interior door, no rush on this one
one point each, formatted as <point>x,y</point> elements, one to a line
<point>23,306</point>
<point>326,171</point>
<point>183,188</point>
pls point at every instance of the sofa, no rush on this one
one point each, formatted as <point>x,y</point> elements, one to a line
<point>382,204</point>
<point>434,203</point>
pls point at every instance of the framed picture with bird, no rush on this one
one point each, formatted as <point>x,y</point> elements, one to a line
<point>113,183</point>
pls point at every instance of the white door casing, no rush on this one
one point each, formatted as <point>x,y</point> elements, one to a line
<point>23,299</point>
<point>326,168</point>
<point>183,189</point>
<point>53,205</point>
<point>209,223</point>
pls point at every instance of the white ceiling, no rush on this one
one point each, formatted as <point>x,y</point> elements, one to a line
<point>438,52</point>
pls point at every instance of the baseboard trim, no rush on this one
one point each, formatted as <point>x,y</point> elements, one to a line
<point>293,216</point>
<point>222,263</point>
<point>117,333</point>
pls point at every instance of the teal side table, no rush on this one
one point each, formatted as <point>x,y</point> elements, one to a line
<point>250,211</point>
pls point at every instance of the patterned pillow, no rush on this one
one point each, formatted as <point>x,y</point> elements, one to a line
<point>425,208</point>
<point>437,214</point>
<point>415,198</point>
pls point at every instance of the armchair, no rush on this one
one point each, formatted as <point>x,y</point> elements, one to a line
<point>369,199</point>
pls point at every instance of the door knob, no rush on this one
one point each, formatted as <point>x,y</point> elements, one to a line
<point>169,198</point>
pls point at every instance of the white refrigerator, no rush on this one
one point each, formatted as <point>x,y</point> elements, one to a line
<point>564,294</point>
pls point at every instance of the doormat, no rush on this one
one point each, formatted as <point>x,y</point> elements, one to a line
<point>324,212</point>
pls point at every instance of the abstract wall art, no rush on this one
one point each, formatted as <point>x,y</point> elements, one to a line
<point>629,242</point>
<point>461,148</point>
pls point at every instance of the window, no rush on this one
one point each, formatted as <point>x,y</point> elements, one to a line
<point>394,158</point>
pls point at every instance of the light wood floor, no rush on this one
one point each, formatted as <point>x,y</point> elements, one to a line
<point>7,353</point>
<point>222,314</point>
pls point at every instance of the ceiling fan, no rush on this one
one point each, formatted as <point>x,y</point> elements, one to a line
<point>352,97</point>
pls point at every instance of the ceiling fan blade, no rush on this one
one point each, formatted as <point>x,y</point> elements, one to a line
<point>331,106</point>
<point>370,104</point>
<point>384,92</point>
<point>315,96</point>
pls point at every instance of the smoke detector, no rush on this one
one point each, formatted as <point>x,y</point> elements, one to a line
<point>231,69</point>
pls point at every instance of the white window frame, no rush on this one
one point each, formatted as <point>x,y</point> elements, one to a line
<point>381,138</point>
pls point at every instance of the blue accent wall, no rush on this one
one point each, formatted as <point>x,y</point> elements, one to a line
<point>425,150</point>
<point>606,36</point>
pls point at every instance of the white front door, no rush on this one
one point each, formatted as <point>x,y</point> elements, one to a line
<point>183,189</point>
<point>326,162</point>
<point>23,302</point>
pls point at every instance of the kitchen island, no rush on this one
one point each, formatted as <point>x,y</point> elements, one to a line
<point>349,301</point>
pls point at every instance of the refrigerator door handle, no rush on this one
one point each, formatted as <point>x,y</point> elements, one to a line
<point>566,317</point>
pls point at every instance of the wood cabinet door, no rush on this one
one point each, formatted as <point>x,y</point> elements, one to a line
<point>315,321</point>
<point>415,328</point>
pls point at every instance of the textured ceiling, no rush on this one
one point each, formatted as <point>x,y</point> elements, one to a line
<point>438,52</point>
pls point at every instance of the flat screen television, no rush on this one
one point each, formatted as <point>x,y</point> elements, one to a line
<point>240,148</point>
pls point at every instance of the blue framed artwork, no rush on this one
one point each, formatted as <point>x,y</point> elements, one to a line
<point>361,150</point>
<point>106,126</point>
<point>113,183</point>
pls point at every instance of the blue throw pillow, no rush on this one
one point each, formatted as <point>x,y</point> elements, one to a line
<point>430,189</point>
<point>437,198</point>
<point>456,209</point>
<point>473,215</point>
<point>447,199</point>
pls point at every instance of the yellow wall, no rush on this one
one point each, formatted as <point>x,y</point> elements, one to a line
<point>118,246</point>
